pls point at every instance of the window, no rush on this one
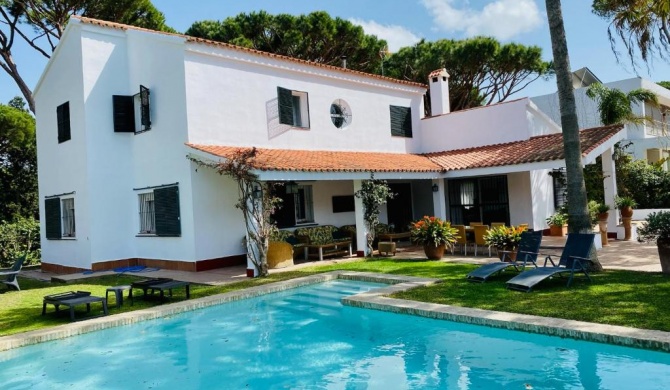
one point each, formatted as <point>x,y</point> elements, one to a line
<point>59,217</point>
<point>159,212</point>
<point>147,213</point>
<point>293,108</point>
<point>296,209</point>
<point>63,120</point>
<point>340,114</point>
<point>124,111</point>
<point>401,121</point>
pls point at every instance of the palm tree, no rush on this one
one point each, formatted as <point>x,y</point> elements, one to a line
<point>577,210</point>
<point>643,25</point>
<point>615,106</point>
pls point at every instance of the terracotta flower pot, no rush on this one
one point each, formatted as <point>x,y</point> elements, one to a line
<point>626,212</point>
<point>434,252</point>
<point>558,231</point>
<point>509,256</point>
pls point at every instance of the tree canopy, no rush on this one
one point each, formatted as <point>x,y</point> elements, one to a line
<point>41,23</point>
<point>314,37</point>
<point>641,25</point>
<point>615,106</point>
<point>483,71</point>
<point>18,163</point>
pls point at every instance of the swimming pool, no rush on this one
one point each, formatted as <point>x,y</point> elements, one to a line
<point>304,338</point>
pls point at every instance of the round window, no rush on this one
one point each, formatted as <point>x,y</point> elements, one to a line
<point>340,114</point>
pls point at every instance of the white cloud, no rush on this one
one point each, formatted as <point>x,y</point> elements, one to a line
<point>395,36</point>
<point>502,19</point>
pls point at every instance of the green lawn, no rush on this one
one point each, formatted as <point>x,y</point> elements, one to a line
<point>635,299</point>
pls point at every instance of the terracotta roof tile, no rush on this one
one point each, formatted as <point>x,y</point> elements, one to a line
<point>329,161</point>
<point>536,149</point>
<point>120,26</point>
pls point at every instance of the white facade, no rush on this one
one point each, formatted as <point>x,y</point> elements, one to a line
<point>213,94</point>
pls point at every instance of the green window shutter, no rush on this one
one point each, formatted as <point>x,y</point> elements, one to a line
<point>52,218</point>
<point>124,114</point>
<point>285,101</point>
<point>401,121</point>
<point>63,119</point>
<point>166,208</point>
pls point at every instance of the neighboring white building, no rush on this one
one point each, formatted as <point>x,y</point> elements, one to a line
<point>120,108</point>
<point>650,140</point>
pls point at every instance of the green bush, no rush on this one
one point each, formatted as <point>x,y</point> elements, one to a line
<point>17,238</point>
<point>657,227</point>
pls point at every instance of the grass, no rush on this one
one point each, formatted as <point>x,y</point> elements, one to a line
<point>627,298</point>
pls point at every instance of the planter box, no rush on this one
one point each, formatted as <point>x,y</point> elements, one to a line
<point>558,231</point>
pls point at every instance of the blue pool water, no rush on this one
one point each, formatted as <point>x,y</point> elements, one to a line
<point>305,339</point>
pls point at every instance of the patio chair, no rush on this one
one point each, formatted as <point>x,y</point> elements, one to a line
<point>527,253</point>
<point>473,224</point>
<point>574,259</point>
<point>480,232</point>
<point>462,239</point>
<point>11,281</point>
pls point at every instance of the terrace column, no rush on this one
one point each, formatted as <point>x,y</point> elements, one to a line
<point>609,175</point>
<point>439,199</point>
<point>361,230</point>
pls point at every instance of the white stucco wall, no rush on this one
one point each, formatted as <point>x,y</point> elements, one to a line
<point>62,168</point>
<point>542,197</point>
<point>520,199</point>
<point>495,124</point>
<point>323,192</point>
<point>231,98</point>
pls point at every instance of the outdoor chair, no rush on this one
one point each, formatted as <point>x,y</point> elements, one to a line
<point>473,224</point>
<point>462,239</point>
<point>575,258</point>
<point>527,253</point>
<point>11,280</point>
<point>480,232</point>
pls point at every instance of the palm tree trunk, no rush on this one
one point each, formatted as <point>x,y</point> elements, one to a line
<point>579,221</point>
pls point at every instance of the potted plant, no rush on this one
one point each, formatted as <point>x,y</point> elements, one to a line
<point>603,213</point>
<point>625,204</point>
<point>557,224</point>
<point>657,228</point>
<point>434,234</point>
<point>504,239</point>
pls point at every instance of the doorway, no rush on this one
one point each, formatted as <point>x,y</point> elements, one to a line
<point>399,209</point>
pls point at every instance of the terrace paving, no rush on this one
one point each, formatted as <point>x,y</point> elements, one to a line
<point>623,255</point>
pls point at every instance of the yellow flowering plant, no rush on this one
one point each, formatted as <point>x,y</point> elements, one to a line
<point>433,231</point>
<point>504,237</point>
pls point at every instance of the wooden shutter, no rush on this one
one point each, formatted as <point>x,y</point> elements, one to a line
<point>401,121</point>
<point>52,218</point>
<point>166,207</point>
<point>63,119</point>
<point>124,114</point>
<point>285,101</point>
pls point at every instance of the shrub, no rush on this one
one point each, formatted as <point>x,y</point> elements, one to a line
<point>17,238</point>
<point>433,231</point>
<point>657,227</point>
<point>558,219</point>
<point>624,201</point>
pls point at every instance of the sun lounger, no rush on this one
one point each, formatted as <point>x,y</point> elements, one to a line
<point>72,299</point>
<point>527,254</point>
<point>574,259</point>
<point>160,284</point>
<point>11,281</point>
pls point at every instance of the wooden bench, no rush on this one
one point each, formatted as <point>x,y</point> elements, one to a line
<point>332,245</point>
<point>71,300</point>
<point>393,236</point>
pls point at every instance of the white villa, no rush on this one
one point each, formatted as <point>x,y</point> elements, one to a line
<point>120,108</point>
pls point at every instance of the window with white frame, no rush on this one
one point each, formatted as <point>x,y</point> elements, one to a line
<point>67,212</point>
<point>147,213</point>
<point>293,108</point>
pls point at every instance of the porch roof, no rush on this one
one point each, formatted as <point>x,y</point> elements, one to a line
<point>522,154</point>
<point>328,161</point>
<point>536,149</point>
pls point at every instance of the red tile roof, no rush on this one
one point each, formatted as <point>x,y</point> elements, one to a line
<point>536,149</point>
<point>120,26</point>
<point>329,161</point>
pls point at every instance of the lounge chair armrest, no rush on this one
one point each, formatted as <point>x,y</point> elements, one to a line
<point>548,258</point>
<point>577,263</point>
<point>7,273</point>
<point>580,258</point>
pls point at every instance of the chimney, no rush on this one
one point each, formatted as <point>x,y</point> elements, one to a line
<point>438,81</point>
<point>344,61</point>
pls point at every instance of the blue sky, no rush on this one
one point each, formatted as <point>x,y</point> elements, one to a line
<point>403,22</point>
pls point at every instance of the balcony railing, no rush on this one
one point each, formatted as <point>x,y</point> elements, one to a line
<point>657,128</point>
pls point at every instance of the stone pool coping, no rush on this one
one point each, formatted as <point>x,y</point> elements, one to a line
<point>377,299</point>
